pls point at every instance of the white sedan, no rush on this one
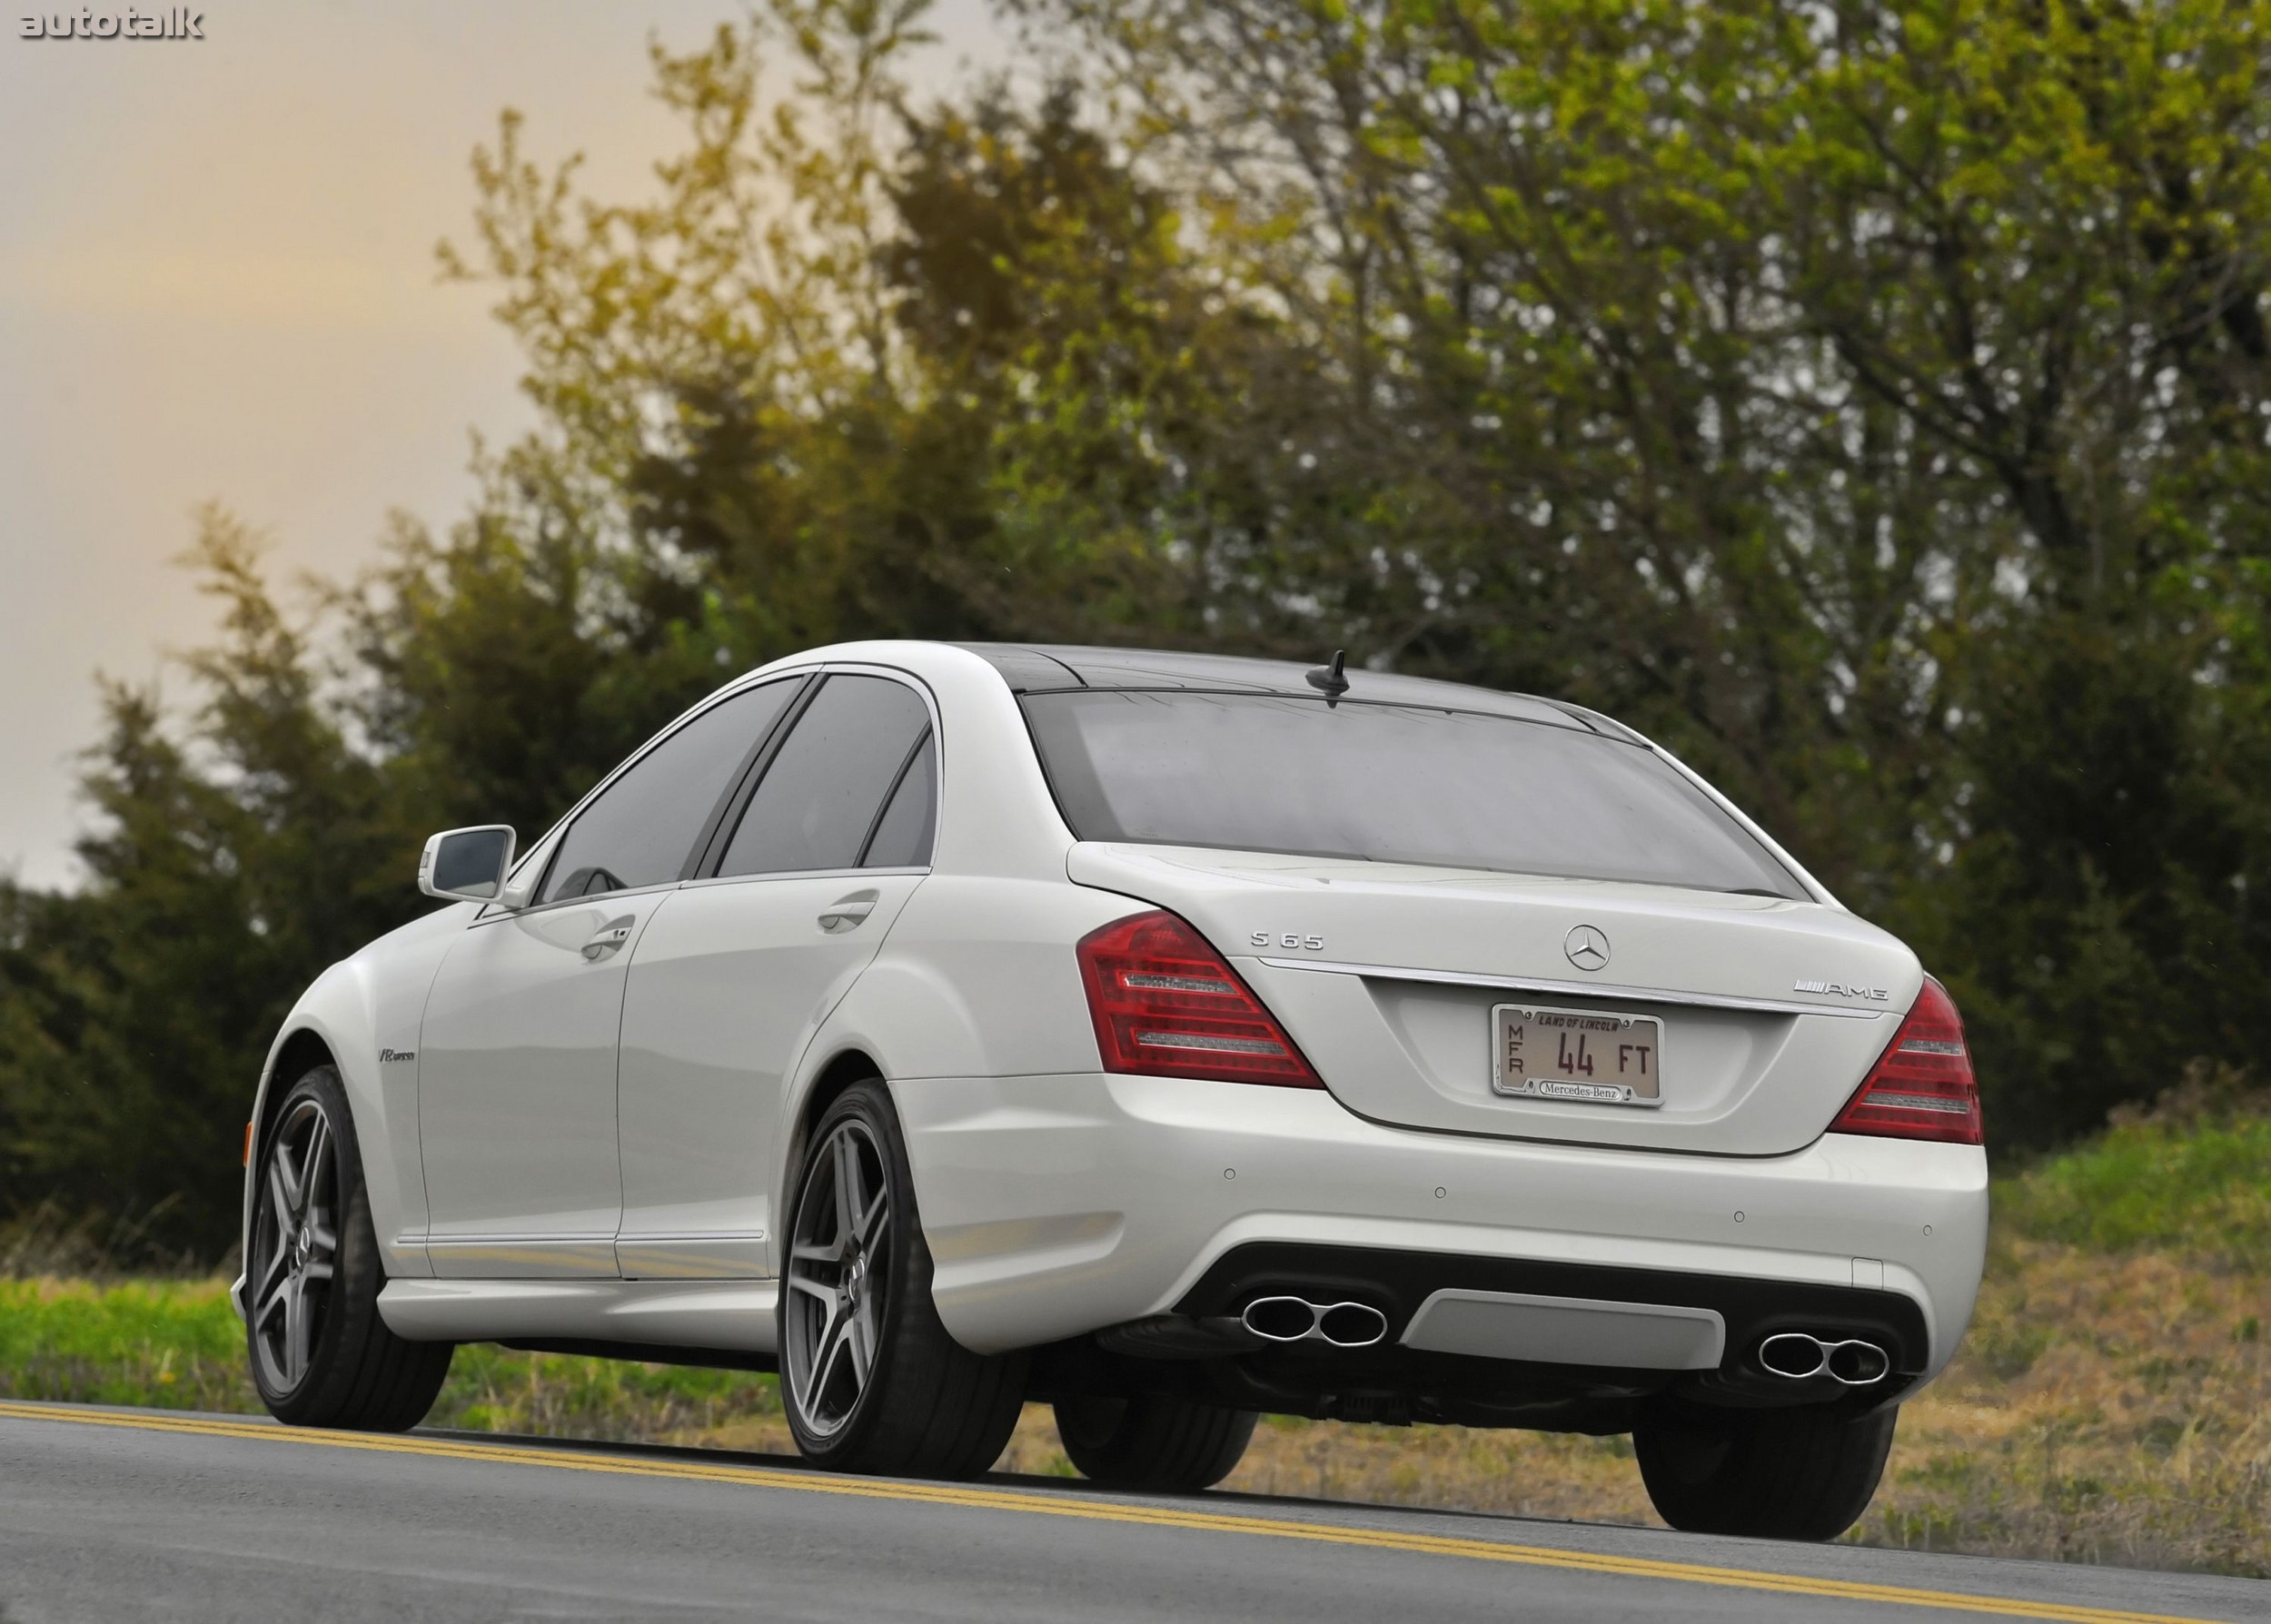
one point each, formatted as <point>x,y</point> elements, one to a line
<point>1171,1038</point>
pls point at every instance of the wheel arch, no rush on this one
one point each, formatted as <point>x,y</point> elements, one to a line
<point>850,1064</point>
<point>338,1021</point>
<point>301,1045</point>
<point>303,1049</point>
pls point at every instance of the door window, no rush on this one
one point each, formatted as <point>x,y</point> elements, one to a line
<point>643,824</point>
<point>821,799</point>
<point>902,836</point>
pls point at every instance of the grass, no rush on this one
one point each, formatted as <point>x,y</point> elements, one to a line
<point>2201,1189</point>
<point>2105,1409</point>
<point>2111,1405</point>
<point>173,1343</point>
<point>2113,1400</point>
<point>177,1344</point>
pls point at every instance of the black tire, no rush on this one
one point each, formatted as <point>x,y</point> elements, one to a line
<point>1771,1474</point>
<point>335,1364</point>
<point>1162,1445</point>
<point>870,1379</point>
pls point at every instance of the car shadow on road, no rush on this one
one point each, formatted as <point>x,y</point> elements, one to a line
<point>1218,1498</point>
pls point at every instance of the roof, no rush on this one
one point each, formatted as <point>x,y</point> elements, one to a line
<point>1051,668</point>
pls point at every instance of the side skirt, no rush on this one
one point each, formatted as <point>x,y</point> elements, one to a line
<point>717,1317</point>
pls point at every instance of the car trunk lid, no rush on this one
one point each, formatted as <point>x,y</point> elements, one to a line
<point>1387,974</point>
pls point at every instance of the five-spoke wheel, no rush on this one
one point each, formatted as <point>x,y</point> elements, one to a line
<point>295,1243</point>
<point>871,1380</point>
<point>839,1269</point>
<point>321,1355</point>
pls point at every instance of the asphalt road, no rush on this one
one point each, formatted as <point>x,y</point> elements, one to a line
<point>117,1515</point>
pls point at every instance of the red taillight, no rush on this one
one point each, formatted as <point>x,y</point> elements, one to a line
<point>1921,1086</point>
<point>1166,1005</point>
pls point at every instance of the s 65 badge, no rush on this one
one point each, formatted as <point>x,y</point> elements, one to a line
<point>1287,939</point>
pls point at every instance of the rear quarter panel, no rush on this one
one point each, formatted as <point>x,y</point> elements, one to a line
<point>977,979</point>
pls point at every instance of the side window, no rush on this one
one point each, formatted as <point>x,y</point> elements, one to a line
<point>902,836</point>
<point>641,830</point>
<point>822,795</point>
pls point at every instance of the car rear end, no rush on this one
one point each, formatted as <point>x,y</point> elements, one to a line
<point>1464,1058</point>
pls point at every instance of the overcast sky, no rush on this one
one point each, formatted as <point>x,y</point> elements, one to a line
<point>216,282</point>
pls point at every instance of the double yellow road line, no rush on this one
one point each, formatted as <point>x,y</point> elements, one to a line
<point>1189,1516</point>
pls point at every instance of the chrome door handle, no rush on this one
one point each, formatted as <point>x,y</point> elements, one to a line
<point>611,936</point>
<point>846,912</point>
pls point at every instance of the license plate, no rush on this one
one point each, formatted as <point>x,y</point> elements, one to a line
<point>1590,1056</point>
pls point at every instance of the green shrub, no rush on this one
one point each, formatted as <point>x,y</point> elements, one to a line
<point>175,1344</point>
<point>2203,1189</point>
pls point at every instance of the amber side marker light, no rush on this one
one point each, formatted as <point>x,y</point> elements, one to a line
<point>247,1161</point>
<point>1921,1086</point>
<point>1166,1005</point>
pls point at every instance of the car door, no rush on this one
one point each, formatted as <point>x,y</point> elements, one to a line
<point>737,972</point>
<point>516,1081</point>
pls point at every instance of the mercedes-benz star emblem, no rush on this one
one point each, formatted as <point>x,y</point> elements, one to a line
<point>1587,948</point>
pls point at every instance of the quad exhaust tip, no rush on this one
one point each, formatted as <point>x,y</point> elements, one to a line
<point>1798,1355</point>
<point>1298,1320</point>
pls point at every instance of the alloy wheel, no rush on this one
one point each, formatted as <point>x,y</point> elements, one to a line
<point>295,1243</point>
<point>839,1279</point>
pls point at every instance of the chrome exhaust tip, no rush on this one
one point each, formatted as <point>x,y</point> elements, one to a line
<point>1794,1354</point>
<point>1799,1357</point>
<point>1298,1320</point>
<point>1352,1324</point>
<point>1858,1364</point>
<point>1281,1318</point>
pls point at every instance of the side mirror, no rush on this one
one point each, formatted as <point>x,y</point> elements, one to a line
<point>467,864</point>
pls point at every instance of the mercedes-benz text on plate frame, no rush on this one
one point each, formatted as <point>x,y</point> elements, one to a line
<point>1167,1037</point>
<point>1594,1057</point>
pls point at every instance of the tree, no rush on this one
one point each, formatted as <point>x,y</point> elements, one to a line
<point>223,873</point>
<point>1869,402</point>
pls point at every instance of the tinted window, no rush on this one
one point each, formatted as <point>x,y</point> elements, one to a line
<point>1387,782</point>
<point>902,836</point>
<point>640,831</point>
<point>820,795</point>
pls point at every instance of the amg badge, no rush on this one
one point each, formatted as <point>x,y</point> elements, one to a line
<point>1840,989</point>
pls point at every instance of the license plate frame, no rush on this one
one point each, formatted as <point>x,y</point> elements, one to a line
<point>1512,1076</point>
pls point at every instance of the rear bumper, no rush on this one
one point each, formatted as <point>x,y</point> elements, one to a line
<point>1513,1342</point>
<point>1059,1205</point>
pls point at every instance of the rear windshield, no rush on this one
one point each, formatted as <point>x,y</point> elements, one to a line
<point>1391,782</point>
